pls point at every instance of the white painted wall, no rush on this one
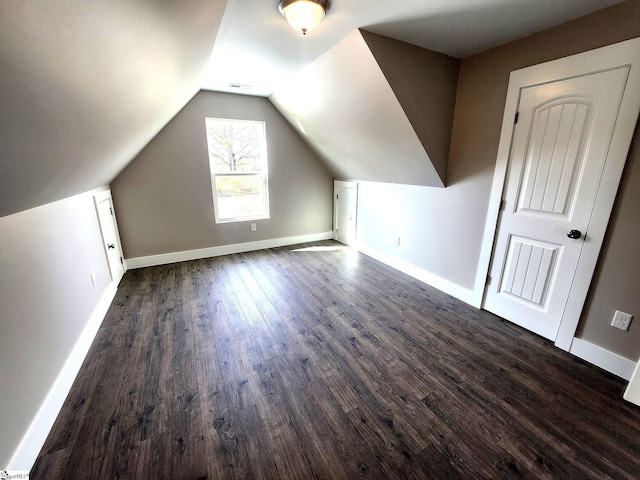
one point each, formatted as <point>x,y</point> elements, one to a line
<point>46,301</point>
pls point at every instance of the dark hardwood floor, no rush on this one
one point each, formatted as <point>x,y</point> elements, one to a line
<point>296,363</point>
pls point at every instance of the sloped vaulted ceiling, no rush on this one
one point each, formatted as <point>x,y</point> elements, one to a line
<point>376,109</point>
<point>84,85</point>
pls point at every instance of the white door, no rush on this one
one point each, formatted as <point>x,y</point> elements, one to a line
<point>110,238</point>
<point>345,208</point>
<point>558,152</point>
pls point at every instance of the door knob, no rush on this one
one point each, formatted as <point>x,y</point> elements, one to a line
<point>110,245</point>
<point>575,234</point>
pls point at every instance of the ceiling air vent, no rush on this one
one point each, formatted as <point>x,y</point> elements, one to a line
<point>240,86</point>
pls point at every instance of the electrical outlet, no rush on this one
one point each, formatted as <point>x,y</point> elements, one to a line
<point>621,320</point>
<point>253,227</point>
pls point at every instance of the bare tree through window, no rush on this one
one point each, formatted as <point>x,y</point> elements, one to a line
<point>234,146</point>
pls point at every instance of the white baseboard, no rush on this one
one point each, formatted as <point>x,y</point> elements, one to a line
<point>632,394</point>
<point>27,452</point>
<point>609,361</point>
<point>453,289</point>
<point>163,259</point>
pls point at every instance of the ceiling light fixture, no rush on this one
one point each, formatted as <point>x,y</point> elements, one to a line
<point>304,15</point>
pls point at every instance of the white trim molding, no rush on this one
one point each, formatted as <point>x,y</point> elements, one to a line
<point>603,358</point>
<point>174,257</point>
<point>27,452</point>
<point>97,198</point>
<point>632,394</point>
<point>346,184</point>
<point>430,279</point>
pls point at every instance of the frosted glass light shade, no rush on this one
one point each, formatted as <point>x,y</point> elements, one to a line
<point>304,15</point>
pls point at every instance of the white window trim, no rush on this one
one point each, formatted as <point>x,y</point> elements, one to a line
<point>263,174</point>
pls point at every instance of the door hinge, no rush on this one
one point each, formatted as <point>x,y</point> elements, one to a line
<point>111,210</point>
<point>515,120</point>
<point>503,204</point>
<point>337,196</point>
<point>488,279</point>
<point>121,261</point>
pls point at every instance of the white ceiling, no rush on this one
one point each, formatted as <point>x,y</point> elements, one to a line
<point>256,47</point>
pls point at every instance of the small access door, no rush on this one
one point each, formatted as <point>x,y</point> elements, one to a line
<point>110,236</point>
<point>345,211</point>
<point>561,140</point>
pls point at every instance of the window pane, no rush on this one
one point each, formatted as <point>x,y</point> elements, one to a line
<point>236,145</point>
<point>240,196</point>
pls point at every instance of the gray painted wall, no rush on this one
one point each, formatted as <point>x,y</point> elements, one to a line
<point>164,199</point>
<point>46,257</point>
<point>85,86</point>
<point>425,84</point>
<point>347,107</point>
<point>436,235</point>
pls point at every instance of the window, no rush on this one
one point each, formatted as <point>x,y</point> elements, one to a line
<point>238,162</point>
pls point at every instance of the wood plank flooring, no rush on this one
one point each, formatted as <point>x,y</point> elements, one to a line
<point>321,363</point>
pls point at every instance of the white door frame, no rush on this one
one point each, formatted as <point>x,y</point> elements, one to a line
<point>347,184</point>
<point>624,53</point>
<point>97,198</point>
